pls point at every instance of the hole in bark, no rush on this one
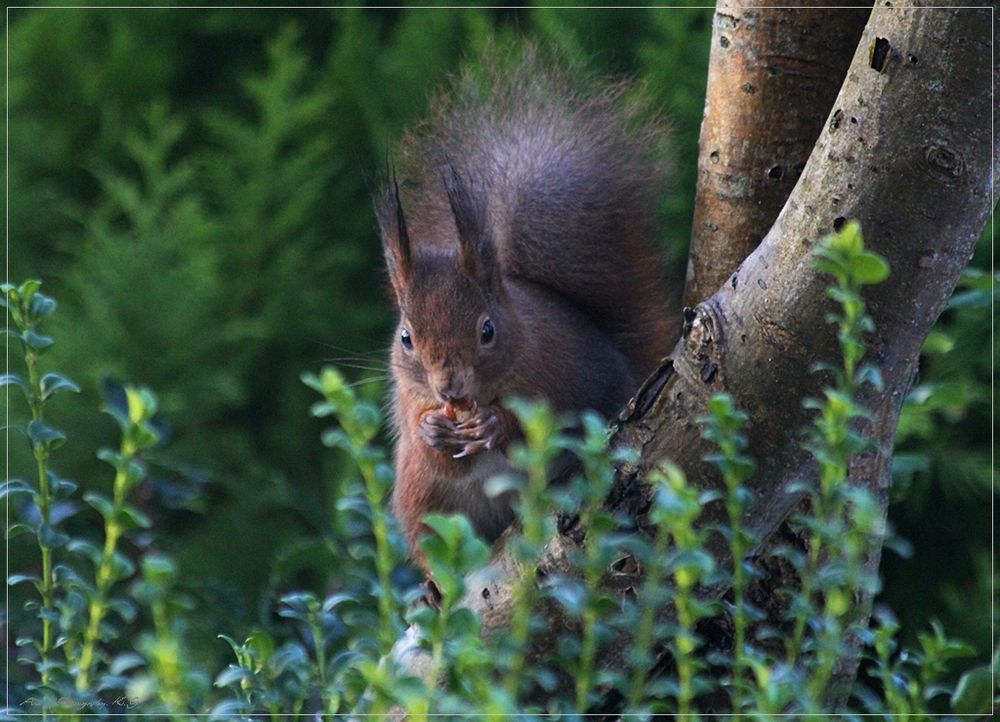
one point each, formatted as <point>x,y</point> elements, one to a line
<point>776,172</point>
<point>878,56</point>
<point>913,60</point>
<point>708,372</point>
<point>724,41</point>
<point>689,315</point>
<point>835,121</point>
<point>743,338</point>
<point>854,121</point>
<point>749,88</point>
<point>733,280</point>
<point>714,156</point>
<point>838,223</point>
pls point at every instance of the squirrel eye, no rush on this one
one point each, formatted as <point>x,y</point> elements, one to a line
<point>488,332</point>
<point>406,340</point>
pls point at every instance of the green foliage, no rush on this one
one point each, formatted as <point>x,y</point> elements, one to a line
<point>338,654</point>
<point>28,309</point>
<point>943,469</point>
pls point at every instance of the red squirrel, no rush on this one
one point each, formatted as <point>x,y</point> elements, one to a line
<point>520,250</point>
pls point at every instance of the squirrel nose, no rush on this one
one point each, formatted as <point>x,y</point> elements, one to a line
<point>448,394</point>
<point>451,391</point>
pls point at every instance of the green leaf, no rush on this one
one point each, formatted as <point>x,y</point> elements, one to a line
<point>869,268</point>
<point>87,549</point>
<point>159,570</point>
<point>121,566</point>
<point>41,434</point>
<point>15,380</point>
<point>61,488</point>
<point>28,289</point>
<point>974,692</point>
<point>50,537</point>
<point>133,517</point>
<point>15,579</point>
<point>36,341</point>
<point>15,530</point>
<point>126,661</point>
<point>231,675</point>
<point>103,505</point>
<point>261,645</point>
<point>41,306</point>
<point>232,643</point>
<point>54,383</point>
<point>15,486</point>
<point>141,404</point>
<point>938,342</point>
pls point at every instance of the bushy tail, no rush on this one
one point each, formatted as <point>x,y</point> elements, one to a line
<point>572,170</point>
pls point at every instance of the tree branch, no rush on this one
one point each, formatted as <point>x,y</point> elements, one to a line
<point>773,75</point>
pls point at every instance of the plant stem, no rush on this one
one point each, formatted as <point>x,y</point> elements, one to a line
<point>167,662</point>
<point>36,402</point>
<point>383,547</point>
<point>802,614</point>
<point>644,637</point>
<point>738,550</point>
<point>588,647</point>
<point>685,647</point>
<point>105,576</point>
<point>104,580</point>
<point>524,591</point>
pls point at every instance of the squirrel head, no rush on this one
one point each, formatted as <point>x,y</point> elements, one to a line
<point>456,333</point>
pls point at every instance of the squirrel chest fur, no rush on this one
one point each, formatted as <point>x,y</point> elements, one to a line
<point>519,246</point>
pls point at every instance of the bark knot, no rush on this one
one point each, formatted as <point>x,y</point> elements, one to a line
<point>943,161</point>
<point>705,343</point>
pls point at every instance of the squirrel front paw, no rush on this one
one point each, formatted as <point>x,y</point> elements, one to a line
<point>485,429</point>
<point>441,433</point>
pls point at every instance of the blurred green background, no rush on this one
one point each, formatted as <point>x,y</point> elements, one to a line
<point>193,186</point>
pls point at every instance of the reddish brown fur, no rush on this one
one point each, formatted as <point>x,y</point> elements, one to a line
<point>530,200</point>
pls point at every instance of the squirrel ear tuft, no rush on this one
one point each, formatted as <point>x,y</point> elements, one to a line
<point>395,239</point>
<point>476,255</point>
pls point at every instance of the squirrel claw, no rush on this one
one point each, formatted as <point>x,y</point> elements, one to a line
<point>439,432</point>
<point>471,448</point>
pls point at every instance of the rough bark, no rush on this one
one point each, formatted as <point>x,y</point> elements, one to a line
<point>907,150</point>
<point>773,74</point>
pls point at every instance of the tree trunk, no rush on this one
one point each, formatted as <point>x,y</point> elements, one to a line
<point>773,74</point>
<point>906,150</point>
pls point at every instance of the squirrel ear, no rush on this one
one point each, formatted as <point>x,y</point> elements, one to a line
<point>476,254</point>
<point>395,239</point>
